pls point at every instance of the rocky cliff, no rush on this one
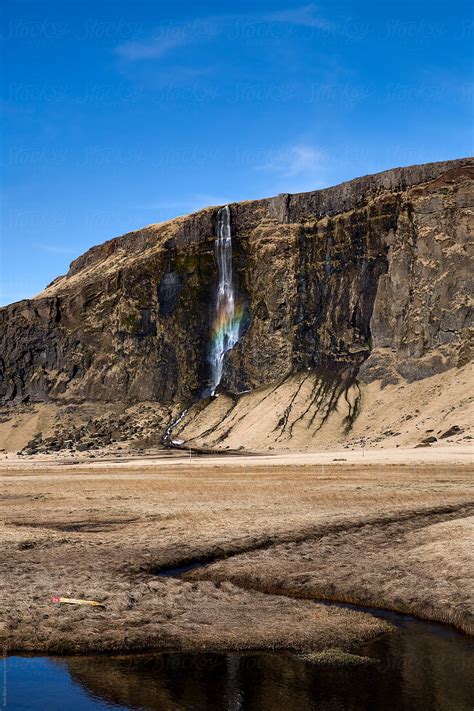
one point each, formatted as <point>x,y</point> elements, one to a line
<point>365,281</point>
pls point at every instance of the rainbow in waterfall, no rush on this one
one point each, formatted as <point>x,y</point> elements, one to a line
<point>228,311</point>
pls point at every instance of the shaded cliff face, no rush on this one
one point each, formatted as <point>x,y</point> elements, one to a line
<point>368,279</point>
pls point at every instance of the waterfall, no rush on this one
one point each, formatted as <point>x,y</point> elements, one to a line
<point>166,439</point>
<point>227,314</point>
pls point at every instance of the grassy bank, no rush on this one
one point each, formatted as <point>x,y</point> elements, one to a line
<point>304,531</point>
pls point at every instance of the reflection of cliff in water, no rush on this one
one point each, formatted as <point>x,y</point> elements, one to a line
<point>421,666</point>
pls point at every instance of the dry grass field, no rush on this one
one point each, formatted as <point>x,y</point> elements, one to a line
<point>391,535</point>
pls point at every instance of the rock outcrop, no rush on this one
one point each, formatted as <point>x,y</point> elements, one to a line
<point>364,281</point>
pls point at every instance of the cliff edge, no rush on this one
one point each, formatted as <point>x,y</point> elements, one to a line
<point>368,282</point>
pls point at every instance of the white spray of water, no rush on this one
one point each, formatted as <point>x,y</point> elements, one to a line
<point>227,319</point>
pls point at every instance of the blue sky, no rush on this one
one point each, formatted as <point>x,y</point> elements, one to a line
<point>118,114</point>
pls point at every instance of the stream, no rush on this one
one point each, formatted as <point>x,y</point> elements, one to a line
<point>421,666</point>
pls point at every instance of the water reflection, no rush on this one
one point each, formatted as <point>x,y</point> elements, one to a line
<point>421,666</point>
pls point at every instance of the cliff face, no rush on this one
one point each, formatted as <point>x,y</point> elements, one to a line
<point>366,280</point>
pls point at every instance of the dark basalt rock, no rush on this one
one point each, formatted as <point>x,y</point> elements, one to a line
<point>454,430</point>
<point>168,292</point>
<point>368,279</point>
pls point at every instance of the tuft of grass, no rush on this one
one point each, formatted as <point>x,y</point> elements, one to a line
<point>335,657</point>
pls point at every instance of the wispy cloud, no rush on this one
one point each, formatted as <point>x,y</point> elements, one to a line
<point>154,47</point>
<point>57,249</point>
<point>296,168</point>
<point>166,39</point>
<point>294,161</point>
<point>304,16</point>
